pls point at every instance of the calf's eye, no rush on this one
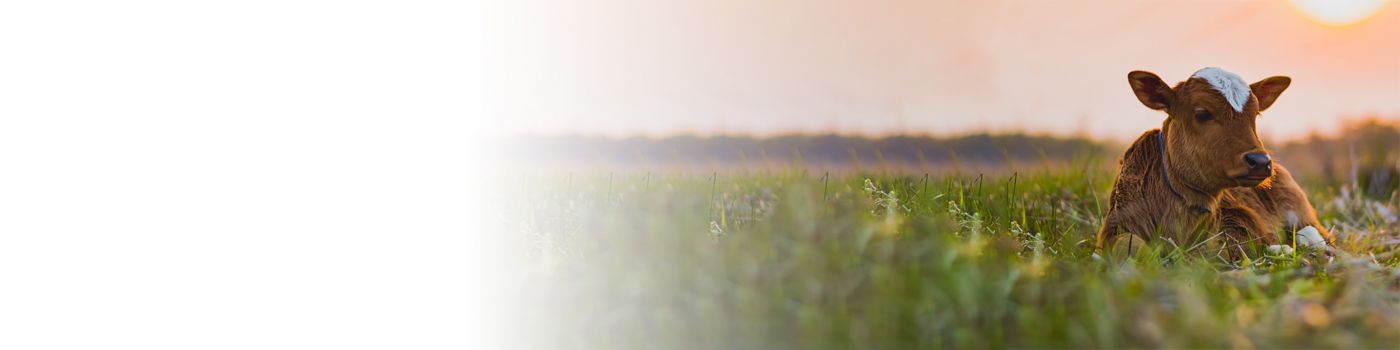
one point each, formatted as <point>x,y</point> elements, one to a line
<point>1204,115</point>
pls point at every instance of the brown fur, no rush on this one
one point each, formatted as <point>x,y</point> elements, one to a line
<point>1218,202</point>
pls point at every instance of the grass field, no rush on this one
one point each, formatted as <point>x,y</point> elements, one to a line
<point>804,260</point>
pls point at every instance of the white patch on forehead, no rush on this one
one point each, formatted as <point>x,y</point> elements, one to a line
<point>1230,85</point>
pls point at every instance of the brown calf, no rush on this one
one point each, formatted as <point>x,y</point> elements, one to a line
<point>1205,174</point>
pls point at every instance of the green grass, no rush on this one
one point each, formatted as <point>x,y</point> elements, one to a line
<point>882,261</point>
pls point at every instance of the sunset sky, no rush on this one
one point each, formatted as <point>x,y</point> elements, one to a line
<point>621,68</point>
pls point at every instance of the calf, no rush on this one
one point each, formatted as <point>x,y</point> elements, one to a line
<point>1205,175</point>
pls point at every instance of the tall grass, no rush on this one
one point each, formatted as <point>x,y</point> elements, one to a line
<point>796,260</point>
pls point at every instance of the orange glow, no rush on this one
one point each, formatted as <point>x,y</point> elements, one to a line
<point>942,67</point>
<point>1338,12</point>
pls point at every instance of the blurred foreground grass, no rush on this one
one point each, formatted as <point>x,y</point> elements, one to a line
<point>794,260</point>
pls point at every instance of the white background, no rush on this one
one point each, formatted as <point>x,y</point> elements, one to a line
<point>242,174</point>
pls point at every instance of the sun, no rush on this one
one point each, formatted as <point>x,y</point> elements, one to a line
<point>1338,12</point>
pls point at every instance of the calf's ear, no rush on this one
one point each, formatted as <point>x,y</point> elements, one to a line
<point>1267,90</point>
<point>1150,89</point>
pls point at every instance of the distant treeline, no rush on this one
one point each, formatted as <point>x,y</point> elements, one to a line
<point>981,150</point>
<point>1365,155</point>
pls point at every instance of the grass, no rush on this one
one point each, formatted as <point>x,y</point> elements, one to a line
<point>794,260</point>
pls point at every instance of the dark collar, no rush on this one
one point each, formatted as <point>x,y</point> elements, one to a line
<point>1162,147</point>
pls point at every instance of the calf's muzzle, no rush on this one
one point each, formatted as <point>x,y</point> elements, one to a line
<point>1257,161</point>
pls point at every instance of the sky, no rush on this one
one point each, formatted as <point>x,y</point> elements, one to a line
<point>623,68</point>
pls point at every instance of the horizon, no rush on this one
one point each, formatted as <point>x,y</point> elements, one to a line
<point>1342,124</point>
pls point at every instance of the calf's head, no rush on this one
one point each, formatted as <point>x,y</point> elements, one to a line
<point>1211,141</point>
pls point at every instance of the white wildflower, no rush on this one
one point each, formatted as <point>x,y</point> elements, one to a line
<point>1309,237</point>
<point>1280,249</point>
<point>716,230</point>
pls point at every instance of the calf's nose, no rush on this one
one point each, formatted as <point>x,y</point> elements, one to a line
<point>1257,160</point>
